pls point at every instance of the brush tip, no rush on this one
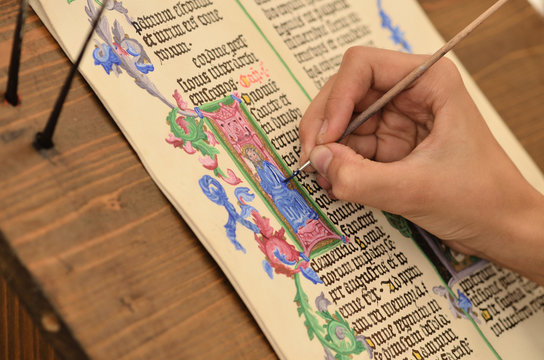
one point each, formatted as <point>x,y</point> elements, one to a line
<point>292,176</point>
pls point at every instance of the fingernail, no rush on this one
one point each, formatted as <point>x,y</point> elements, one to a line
<point>322,131</point>
<point>320,157</point>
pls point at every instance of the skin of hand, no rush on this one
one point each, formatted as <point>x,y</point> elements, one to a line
<point>428,156</point>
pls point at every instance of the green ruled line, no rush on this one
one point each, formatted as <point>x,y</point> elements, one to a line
<point>469,318</point>
<point>274,49</point>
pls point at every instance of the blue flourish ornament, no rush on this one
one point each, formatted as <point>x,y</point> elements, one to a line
<point>310,274</point>
<point>464,302</point>
<point>397,35</point>
<point>268,269</point>
<point>105,56</point>
<point>216,193</point>
<point>243,195</point>
<point>281,257</point>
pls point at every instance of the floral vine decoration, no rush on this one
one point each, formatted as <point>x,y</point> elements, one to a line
<point>191,134</point>
<point>335,334</point>
<point>280,256</point>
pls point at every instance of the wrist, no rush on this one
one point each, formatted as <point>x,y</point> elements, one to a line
<point>520,243</point>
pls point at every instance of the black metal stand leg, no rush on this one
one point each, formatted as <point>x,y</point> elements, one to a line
<point>44,139</point>
<point>11,96</point>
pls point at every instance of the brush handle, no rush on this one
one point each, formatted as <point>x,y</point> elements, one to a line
<point>410,78</point>
<point>417,72</point>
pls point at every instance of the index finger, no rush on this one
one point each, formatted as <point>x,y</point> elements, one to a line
<point>362,69</point>
<point>312,120</point>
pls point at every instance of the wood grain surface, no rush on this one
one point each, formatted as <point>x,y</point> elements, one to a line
<point>103,263</point>
<point>19,337</point>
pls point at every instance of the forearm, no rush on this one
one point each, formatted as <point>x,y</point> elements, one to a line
<point>522,246</point>
<point>428,156</point>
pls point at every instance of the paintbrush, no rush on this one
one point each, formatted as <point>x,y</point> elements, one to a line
<point>410,78</point>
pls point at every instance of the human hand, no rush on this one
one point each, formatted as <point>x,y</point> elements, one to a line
<point>428,156</point>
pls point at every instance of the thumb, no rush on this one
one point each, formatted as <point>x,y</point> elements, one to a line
<point>356,179</point>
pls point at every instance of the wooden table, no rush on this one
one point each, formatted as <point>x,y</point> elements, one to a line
<point>105,266</point>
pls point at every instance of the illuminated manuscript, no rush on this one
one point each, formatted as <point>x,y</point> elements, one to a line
<point>210,93</point>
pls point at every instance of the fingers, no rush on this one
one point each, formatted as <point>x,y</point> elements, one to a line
<point>364,145</point>
<point>351,177</point>
<point>312,121</point>
<point>363,72</point>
